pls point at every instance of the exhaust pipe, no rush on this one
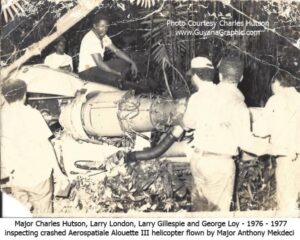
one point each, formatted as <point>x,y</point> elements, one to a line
<point>155,152</point>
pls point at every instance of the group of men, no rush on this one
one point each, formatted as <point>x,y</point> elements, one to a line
<point>222,125</point>
<point>217,113</point>
<point>92,66</point>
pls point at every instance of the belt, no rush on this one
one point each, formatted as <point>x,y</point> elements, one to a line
<point>208,153</point>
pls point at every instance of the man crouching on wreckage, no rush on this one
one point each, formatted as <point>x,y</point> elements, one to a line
<point>92,66</point>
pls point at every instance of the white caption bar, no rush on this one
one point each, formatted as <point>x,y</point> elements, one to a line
<point>151,228</point>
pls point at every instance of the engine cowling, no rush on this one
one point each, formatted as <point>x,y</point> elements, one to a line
<point>112,114</point>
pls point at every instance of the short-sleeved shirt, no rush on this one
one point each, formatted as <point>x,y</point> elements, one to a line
<point>57,61</point>
<point>25,147</point>
<point>91,44</point>
<point>197,105</point>
<point>220,118</point>
<point>281,120</point>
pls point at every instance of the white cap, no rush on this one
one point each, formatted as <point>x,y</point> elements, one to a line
<point>201,62</point>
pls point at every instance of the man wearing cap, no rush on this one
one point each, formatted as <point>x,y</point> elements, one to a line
<point>27,156</point>
<point>202,75</point>
<point>222,125</point>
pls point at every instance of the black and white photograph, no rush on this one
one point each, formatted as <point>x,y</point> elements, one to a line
<point>150,108</point>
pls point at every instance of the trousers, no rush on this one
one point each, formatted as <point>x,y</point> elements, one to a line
<point>37,199</point>
<point>214,178</point>
<point>287,180</point>
<point>96,74</point>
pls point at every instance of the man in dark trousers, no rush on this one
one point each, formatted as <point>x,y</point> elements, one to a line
<point>92,66</point>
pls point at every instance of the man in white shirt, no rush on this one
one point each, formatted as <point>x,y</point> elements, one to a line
<point>92,66</point>
<point>202,75</point>
<point>281,121</point>
<point>59,59</point>
<point>222,124</point>
<point>27,156</point>
<point>202,72</point>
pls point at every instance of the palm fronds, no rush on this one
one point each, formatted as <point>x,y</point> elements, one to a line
<point>12,8</point>
<point>144,3</point>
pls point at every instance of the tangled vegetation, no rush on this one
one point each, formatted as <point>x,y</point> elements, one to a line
<point>163,186</point>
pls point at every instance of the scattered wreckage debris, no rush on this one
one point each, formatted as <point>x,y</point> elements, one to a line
<point>163,186</point>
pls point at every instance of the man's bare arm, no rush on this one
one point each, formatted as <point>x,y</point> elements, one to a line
<point>124,56</point>
<point>102,65</point>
